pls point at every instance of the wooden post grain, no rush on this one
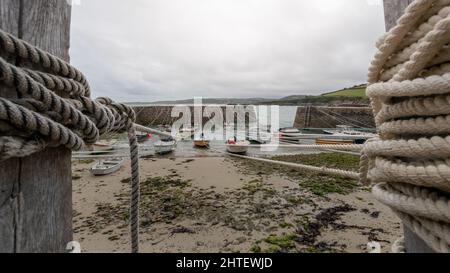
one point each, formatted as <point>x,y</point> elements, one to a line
<point>36,191</point>
<point>393,9</point>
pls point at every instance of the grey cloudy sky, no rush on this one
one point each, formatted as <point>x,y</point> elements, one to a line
<point>148,50</point>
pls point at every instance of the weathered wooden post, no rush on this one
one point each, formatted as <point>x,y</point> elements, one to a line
<point>393,9</point>
<point>36,191</point>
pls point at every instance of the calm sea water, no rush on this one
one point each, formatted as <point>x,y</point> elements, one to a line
<point>187,149</point>
<point>217,147</point>
<point>287,116</point>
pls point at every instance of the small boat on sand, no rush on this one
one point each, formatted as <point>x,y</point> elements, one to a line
<point>321,141</point>
<point>165,147</point>
<point>201,143</point>
<point>105,167</point>
<point>237,147</point>
<point>290,131</point>
<point>346,132</point>
<point>290,134</point>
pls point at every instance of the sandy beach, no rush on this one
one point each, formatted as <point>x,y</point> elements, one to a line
<point>221,204</point>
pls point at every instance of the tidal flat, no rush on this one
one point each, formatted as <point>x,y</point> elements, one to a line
<point>224,204</point>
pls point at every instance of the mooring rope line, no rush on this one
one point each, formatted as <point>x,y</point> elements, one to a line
<point>344,152</point>
<point>339,147</point>
<point>45,119</point>
<point>409,86</point>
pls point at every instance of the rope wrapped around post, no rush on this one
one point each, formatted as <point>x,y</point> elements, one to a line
<point>409,87</point>
<point>41,118</point>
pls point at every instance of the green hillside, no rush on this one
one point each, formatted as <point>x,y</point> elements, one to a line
<point>358,91</point>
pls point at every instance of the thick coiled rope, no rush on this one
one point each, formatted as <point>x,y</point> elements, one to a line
<point>409,86</point>
<point>53,108</point>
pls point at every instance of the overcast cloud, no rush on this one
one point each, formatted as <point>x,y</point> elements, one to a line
<point>148,50</point>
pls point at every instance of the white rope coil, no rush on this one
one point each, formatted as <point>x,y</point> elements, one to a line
<point>409,86</point>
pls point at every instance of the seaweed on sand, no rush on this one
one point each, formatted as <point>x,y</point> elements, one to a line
<point>318,184</point>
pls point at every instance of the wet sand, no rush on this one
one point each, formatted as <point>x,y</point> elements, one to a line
<point>219,204</point>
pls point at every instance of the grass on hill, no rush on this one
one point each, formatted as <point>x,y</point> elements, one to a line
<point>359,92</point>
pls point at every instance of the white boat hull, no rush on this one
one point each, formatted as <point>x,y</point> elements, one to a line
<point>162,147</point>
<point>106,167</point>
<point>238,148</point>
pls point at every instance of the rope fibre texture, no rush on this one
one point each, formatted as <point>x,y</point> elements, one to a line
<point>40,118</point>
<point>409,87</point>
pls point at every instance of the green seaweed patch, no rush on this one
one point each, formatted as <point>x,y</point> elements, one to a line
<point>323,185</point>
<point>268,248</point>
<point>256,248</point>
<point>162,183</point>
<point>106,214</point>
<point>254,186</point>
<point>284,241</point>
<point>285,225</point>
<point>312,249</point>
<point>330,160</point>
<point>316,183</point>
<point>164,198</point>
<point>126,180</point>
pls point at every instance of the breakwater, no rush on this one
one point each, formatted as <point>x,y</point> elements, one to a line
<point>167,115</point>
<point>330,117</point>
<point>299,117</point>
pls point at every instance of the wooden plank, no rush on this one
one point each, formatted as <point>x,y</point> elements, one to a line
<point>46,202</point>
<point>9,173</point>
<point>8,204</point>
<point>9,21</point>
<point>414,244</point>
<point>51,20</point>
<point>36,191</point>
<point>394,9</point>
<point>9,14</point>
